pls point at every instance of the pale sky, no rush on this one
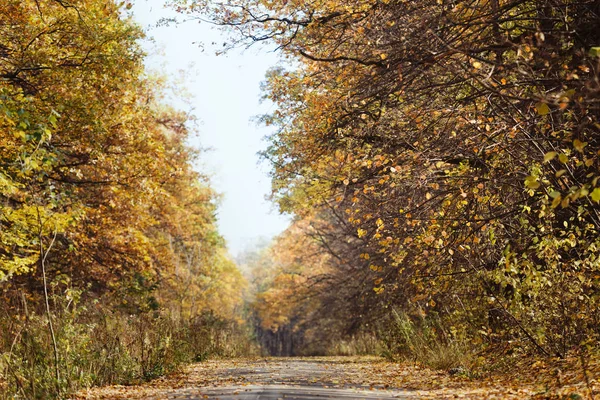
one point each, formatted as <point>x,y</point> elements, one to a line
<point>225,97</point>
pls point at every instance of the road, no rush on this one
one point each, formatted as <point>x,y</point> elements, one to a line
<point>279,392</point>
<point>321,378</point>
<point>275,379</point>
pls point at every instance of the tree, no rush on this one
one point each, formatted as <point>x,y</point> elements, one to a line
<point>457,140</point>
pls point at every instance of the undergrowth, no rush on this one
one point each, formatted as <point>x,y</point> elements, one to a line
<point>100,346</point>
<point>361,344</point>
<point>425,340</point>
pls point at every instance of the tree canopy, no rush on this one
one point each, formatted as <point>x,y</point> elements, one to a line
<point>101,204</point>
<point>448,151</point>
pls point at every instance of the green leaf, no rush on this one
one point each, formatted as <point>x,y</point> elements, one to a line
<point>556,201</point>
<point>550,156</point>
<point>594,52</point>
<point>595,195</point>
<point>531,182</point>
<point>563,158</point>
<point>579,145</point>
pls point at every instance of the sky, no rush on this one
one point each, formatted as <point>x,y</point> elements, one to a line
<point>225,97</point>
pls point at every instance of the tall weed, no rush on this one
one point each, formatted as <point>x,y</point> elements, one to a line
<point>99,346</point>
<point>361,344</point>
<point>426,341</point>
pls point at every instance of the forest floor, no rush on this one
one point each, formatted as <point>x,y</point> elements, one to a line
<point>356,378</point>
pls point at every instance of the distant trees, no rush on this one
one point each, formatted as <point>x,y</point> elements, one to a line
<point>280,293</point>
<point>449,149</point>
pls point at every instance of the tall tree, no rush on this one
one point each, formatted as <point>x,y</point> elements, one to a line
<point>458,142</point>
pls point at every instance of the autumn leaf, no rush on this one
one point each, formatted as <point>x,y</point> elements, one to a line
<point>542,109</point>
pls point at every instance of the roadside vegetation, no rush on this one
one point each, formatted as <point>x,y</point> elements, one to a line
<point>111,267</point>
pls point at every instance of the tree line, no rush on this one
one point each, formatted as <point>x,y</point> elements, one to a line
<point>442,156</point>
<point>111,267</point>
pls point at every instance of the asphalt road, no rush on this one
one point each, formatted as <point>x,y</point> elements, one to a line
<point>279,392</point>
<point>278,380</point>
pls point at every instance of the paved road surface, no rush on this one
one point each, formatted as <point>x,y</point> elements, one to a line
<point>280,392</point>
<point>281,379</point>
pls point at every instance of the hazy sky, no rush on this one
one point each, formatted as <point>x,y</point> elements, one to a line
<point>226,97</point>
